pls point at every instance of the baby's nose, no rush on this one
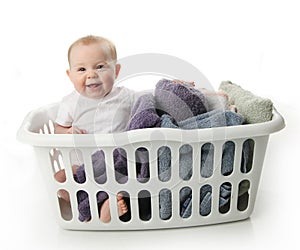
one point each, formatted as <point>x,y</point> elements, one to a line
<point>92,74</point>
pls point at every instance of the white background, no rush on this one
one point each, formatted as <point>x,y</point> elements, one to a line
<point>252,43</point>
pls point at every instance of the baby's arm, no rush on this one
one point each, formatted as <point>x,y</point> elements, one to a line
<point>58,129</point>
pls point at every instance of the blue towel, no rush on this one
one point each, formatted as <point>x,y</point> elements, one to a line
<point>215,118</point>
<point>212,119</point>
<point>208,120</point>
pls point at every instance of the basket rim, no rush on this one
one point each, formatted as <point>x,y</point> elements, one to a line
<point>26,135</point>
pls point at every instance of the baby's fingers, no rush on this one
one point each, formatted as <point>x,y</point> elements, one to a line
<point>183,82</point>
<point>75,130</point>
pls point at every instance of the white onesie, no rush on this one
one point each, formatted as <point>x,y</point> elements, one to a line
<point>105,115</point>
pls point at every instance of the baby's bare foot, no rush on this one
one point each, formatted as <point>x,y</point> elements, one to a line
<point>105,212</point>
<point>122,207</point>
<point>105,209</point>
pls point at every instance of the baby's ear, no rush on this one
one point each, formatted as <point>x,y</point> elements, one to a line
<point>118,67</point>
<point>68,72</point>
<point>69,75</point>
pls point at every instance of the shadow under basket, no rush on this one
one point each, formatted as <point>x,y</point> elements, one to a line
<point>170,177</point>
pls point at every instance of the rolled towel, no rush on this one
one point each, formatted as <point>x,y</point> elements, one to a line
<point>253,108</point>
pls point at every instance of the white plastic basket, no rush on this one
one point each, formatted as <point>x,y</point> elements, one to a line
<point>52,152</point>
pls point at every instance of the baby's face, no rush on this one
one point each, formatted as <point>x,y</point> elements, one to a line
<point>91,71</point>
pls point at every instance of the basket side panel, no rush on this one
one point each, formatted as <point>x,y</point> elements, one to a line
<point>176,186</point>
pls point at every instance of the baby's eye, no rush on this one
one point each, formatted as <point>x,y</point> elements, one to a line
<point>81,69</point>
<point>100,66</point>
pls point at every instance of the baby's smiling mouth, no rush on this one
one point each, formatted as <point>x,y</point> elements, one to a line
<point>93,85</point>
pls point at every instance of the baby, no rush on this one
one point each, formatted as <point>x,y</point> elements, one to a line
<point>96,105</point>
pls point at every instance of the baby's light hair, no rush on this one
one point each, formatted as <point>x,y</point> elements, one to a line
<point>109,47</point>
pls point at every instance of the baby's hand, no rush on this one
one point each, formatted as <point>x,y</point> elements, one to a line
<point>183,82</point>
<point>75,130</point>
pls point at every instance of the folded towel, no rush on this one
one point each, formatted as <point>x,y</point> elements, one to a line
<point>181,101</point>
<point>253,108</point>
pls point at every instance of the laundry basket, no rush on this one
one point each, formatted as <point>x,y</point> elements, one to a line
<point>53,153</point>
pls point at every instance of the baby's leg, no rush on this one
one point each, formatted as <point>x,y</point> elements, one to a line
<point>105,209</point>
<point>60,176</point>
